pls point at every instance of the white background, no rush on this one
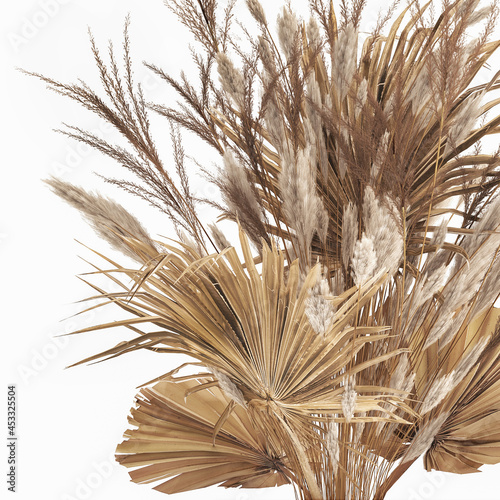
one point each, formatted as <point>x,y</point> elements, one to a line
<point>69,421</point>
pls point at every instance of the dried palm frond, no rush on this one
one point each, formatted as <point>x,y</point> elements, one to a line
<point>182,446</point>
<point>359,332</point>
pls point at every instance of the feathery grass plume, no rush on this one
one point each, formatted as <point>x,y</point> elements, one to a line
<point>439,234</point>
<point>288,28</point>
<point>364,260</point>
<point>468,282</point>
<point>228,387</point>
<point>424,438</point>
<point>383,227</point>
<point>231,79</point>
<point>470,359</point>
<point>462,124</point>
<point>313,125</point>
<point>349,398</point>
<point>333,445</point>
<point>361,96</point>
<point>313,33</point>
<point>301,205</point>
<point>402,378</point>
<point>439,389</point>
<point>479,16</point>
<point>190,244</point>
<point>274,126</point>
<point>439,257</point>
<point>110,220</point>
<point>219,237</point>
<point>446,327</point>
<point>430,284</point>
<point>368,174</point>
<point>420,92</point>
<point>489,289</point>
<point>257,12</point>
<point>344,59</point>
<point>241,199</point>
<point>445,384</point>
<point>319,309</point>
<point>342,164</point>
<point>380,156</point>
<point>267,58</point>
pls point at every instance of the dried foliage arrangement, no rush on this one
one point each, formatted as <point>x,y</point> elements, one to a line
<point>354,330</point>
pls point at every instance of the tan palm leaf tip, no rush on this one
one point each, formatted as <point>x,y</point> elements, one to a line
<point>352,329</point>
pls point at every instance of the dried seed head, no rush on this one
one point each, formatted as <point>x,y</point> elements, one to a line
<point>444,385</point>
<point>288,28</point>
<point>467,7</point>
<point>424,438</point>
<point>266,55</point>
<point>489,221</point>
<point>463,122</point>
<point>274,126</point>
<point>401,378</point>
<point>300,200</point>
<point>349,398</point>
<point>439,235</point>
<point>257,11</point>
<point>420,91</point>
<point>319,309</point>
<point>344,59</point>
<point>323,220</point>
<point>219,237</point>
<point>364,261</point>
<point>190,244</point>
<point>478,16</point>
<point>240,198</point>
<point>314,94</point>
<point>342,165</point>
<point>429,285</point>
<point>380,157</point>
<point>230,78</point>
<point>313,33</point>
<point>332,445</point>
<point>440,388</point>
<point>465,365</point>
<point>446,327</point>
<point>489,289</point>
<point>383,226</point>
<point>360,427</point>
<point>313,124</point>
<point>108,219</point>
<point>469,278</point>
<point>361,96</point>
<point>390,104</point>
<point>228,387</point>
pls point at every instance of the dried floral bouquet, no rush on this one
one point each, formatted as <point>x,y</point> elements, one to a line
<point>357,332</point>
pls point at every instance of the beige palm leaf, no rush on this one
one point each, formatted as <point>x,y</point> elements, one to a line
<point>174,441</point>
